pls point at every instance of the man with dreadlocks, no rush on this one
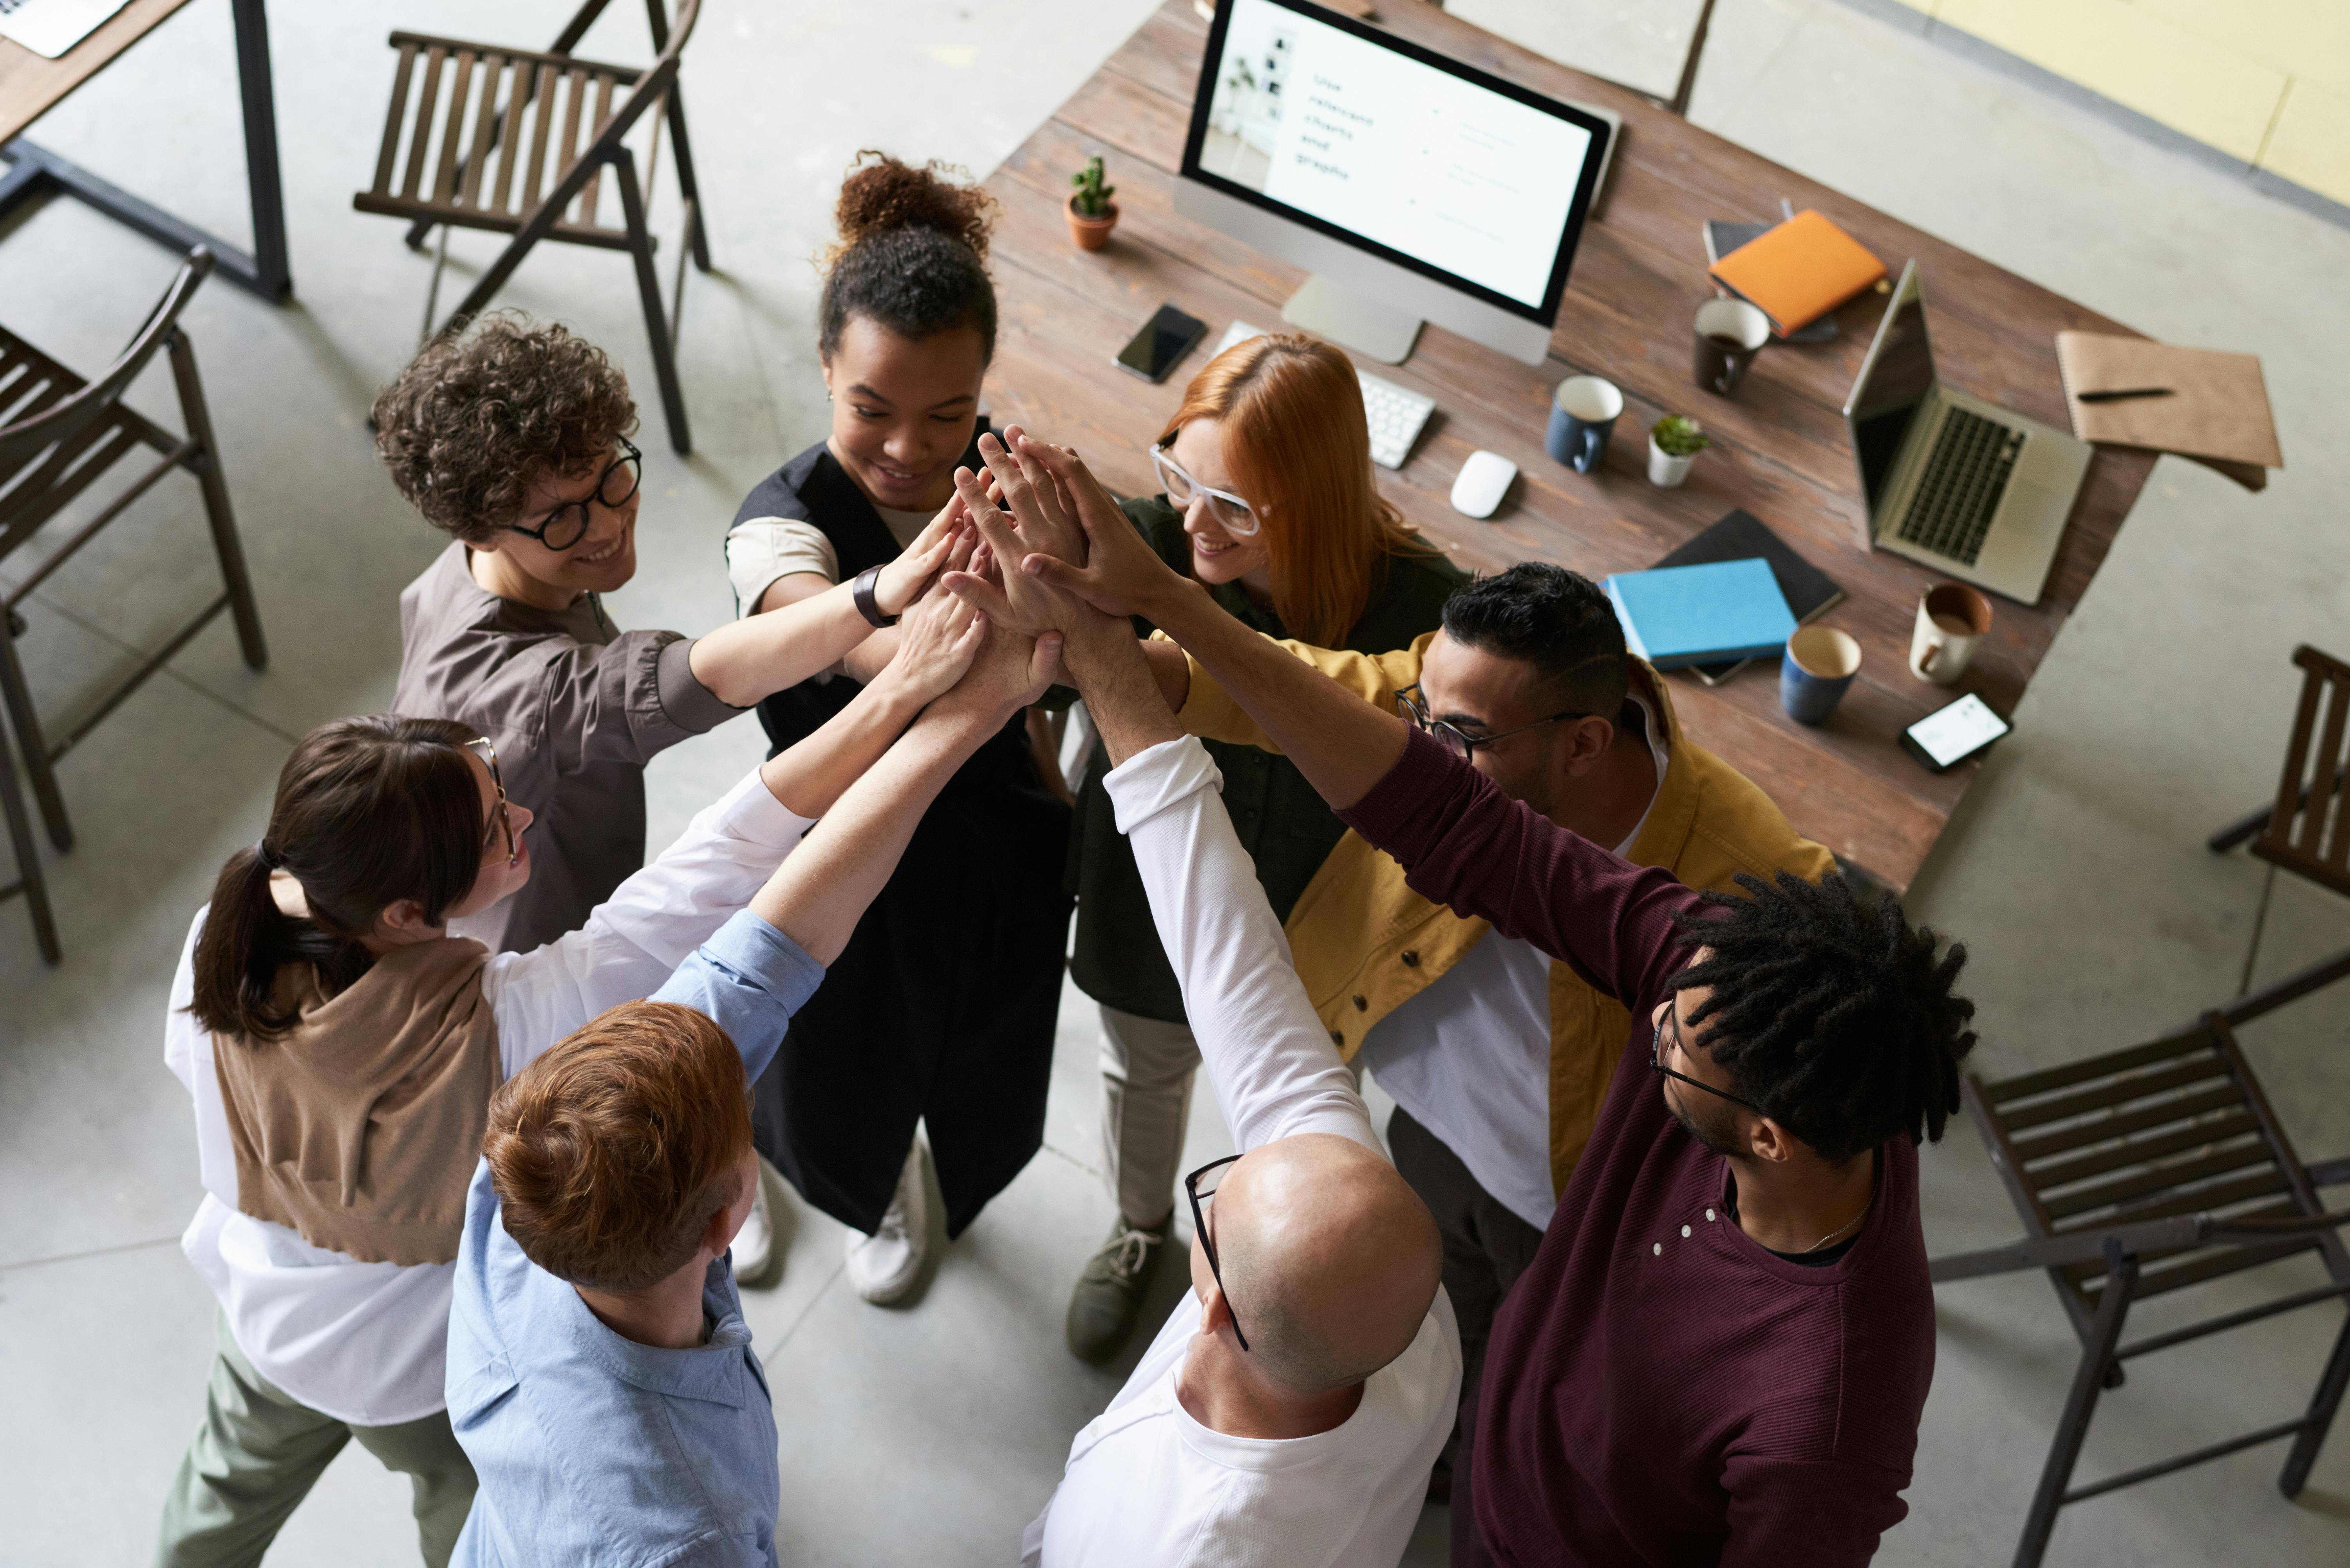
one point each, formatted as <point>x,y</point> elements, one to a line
<point>1721,1349</point>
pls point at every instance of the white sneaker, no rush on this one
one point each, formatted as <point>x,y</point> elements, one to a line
<point>883,1267</point>
<point>758,1262</point>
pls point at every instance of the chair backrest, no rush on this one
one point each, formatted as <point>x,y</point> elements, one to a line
<point>45,414</point>
<point>2308,831</point>
<point>2177,1126</point>
<point>505,169</point>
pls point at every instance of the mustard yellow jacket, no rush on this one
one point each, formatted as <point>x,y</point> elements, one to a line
<point>1363,942</point>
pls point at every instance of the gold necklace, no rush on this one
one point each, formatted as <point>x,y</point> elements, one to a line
<point>1843,1227</point>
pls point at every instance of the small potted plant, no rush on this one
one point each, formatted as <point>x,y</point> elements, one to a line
<point>1092,214</point>
<point>1674,442</point>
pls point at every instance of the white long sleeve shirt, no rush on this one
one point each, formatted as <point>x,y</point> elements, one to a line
<point>1147,1484</point>
<point>364,1342</point>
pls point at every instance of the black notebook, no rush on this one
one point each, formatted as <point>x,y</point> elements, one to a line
<point>1739,536</point>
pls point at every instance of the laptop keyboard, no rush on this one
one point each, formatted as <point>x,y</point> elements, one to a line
<point>1965,476</point>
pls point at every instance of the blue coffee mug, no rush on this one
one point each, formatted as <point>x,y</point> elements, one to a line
<point>1582,414</point>
<point>1814,673</point>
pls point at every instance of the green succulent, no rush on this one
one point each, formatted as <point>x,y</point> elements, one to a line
<point>1092,200</point>
<point>1678,435</point>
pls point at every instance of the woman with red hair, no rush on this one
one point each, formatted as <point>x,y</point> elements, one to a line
<point>1267,498</point>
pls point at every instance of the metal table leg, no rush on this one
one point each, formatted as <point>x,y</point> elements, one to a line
<point>33,169</point>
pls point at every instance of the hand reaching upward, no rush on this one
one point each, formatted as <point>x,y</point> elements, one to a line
<point>1117,572</point>
<point>1011,671</point>
<point>940,634</point>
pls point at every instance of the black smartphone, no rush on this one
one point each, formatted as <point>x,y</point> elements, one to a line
<point>1949,736</point>
<point>1164,339</point>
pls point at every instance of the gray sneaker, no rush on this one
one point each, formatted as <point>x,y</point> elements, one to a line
<point>1109,1296</point>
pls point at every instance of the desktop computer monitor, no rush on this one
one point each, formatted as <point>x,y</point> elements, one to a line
<point>1413,186</point>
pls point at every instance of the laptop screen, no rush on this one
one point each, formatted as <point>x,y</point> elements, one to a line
<point>1894,380</point>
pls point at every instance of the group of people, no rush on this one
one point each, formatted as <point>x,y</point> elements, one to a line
<point>492,1114</point>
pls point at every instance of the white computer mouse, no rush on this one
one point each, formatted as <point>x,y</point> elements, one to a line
<point>1484,479</point>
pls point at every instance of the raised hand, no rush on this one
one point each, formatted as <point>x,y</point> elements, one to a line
<point>1011,671</point>
<point>1119,574</point>
<point>903,579</point>
<point>1040,512</point>
<point>1023,604</point>
<point>937,639</point>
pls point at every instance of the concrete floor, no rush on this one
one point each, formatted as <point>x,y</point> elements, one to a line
<point>2075,873</point>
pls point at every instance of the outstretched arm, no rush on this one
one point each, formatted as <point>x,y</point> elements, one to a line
<point>746,660</point>
<point>817,896</point>
<point>1341,743</point>
<point>1274,1068</point>
<point>1462,841</point>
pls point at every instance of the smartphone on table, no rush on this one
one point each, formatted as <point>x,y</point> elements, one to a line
<point>1162,344</point>
<point>1949,736</point>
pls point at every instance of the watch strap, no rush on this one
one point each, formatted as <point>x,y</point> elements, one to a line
<point>868,604</point>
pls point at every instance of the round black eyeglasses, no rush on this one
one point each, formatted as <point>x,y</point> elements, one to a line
<point>567,524</point>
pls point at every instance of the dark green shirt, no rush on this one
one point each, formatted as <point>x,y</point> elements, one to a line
<point>1282,823</point>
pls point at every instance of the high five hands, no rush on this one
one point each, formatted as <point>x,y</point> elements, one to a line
<point>1067,559</point>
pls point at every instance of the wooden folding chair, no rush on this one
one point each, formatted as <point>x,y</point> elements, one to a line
<point>2145,1171</point>
<point>496,175</point>
<point>58,435</point>
<point>2306,830</point>
<point>30,884</point>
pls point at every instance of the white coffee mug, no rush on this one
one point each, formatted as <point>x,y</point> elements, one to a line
<point>1953,619</point>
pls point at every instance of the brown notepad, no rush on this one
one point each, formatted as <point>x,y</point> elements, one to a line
<point>2218,412</point>
<point>1798,271</point>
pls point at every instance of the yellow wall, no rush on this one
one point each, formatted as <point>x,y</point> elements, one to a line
<point>2267,81</point>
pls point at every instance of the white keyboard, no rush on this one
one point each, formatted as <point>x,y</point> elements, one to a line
<point>1397,414</point>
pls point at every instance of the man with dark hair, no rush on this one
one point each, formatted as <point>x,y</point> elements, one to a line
<point>513,436</point>
<point>1497,1054</point>
<point>600,1375</point>
<point>1723,1347</point>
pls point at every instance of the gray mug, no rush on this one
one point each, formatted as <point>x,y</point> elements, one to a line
<point>1582,414</point>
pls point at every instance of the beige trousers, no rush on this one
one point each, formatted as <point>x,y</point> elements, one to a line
<point>259,1451</point>
<point>1147,1070</point>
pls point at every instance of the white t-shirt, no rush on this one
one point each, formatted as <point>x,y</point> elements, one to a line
<point>760,549</point>
<point>1468,1055</point>
<point>366,1343</point>
<point>1147,1484</point>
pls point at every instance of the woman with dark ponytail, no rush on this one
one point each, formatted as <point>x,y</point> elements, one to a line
<point>942,1010</point>
<point>342,1047</point>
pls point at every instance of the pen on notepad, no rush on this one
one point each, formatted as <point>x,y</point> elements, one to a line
<point>2123,393</point>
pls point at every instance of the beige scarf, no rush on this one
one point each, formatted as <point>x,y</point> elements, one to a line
<point>359,1129</point>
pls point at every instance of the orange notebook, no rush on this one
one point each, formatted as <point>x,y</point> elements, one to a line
<point>1798,272</point>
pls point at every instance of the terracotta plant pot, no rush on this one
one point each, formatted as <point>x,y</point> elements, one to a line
<point>1091,234</point>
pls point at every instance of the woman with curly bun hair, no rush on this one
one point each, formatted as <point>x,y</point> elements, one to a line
<point>513,436</point>
<point>942,1009</point>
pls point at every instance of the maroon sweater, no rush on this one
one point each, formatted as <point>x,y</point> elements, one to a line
<point>1659,1388</point>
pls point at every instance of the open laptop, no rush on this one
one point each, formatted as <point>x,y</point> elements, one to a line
<point>1963,485</point>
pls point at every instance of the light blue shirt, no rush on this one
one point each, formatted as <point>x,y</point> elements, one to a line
<point>590,1447</point>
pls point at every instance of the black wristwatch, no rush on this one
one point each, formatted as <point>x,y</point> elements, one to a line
<point>868,604</point>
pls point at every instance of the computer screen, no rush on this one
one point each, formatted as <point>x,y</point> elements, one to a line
<point>1473,180</point>
<point>1893,381</point>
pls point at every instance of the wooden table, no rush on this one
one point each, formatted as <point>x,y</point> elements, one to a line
<point>1779,451</point>
<point>31,85</point>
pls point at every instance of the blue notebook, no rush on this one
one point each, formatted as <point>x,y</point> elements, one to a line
<point>1675,615</point>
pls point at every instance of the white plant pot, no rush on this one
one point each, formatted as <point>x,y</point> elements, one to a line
<point>1666,472</point>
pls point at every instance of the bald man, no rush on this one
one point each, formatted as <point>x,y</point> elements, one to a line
<point>1291,1409</point>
